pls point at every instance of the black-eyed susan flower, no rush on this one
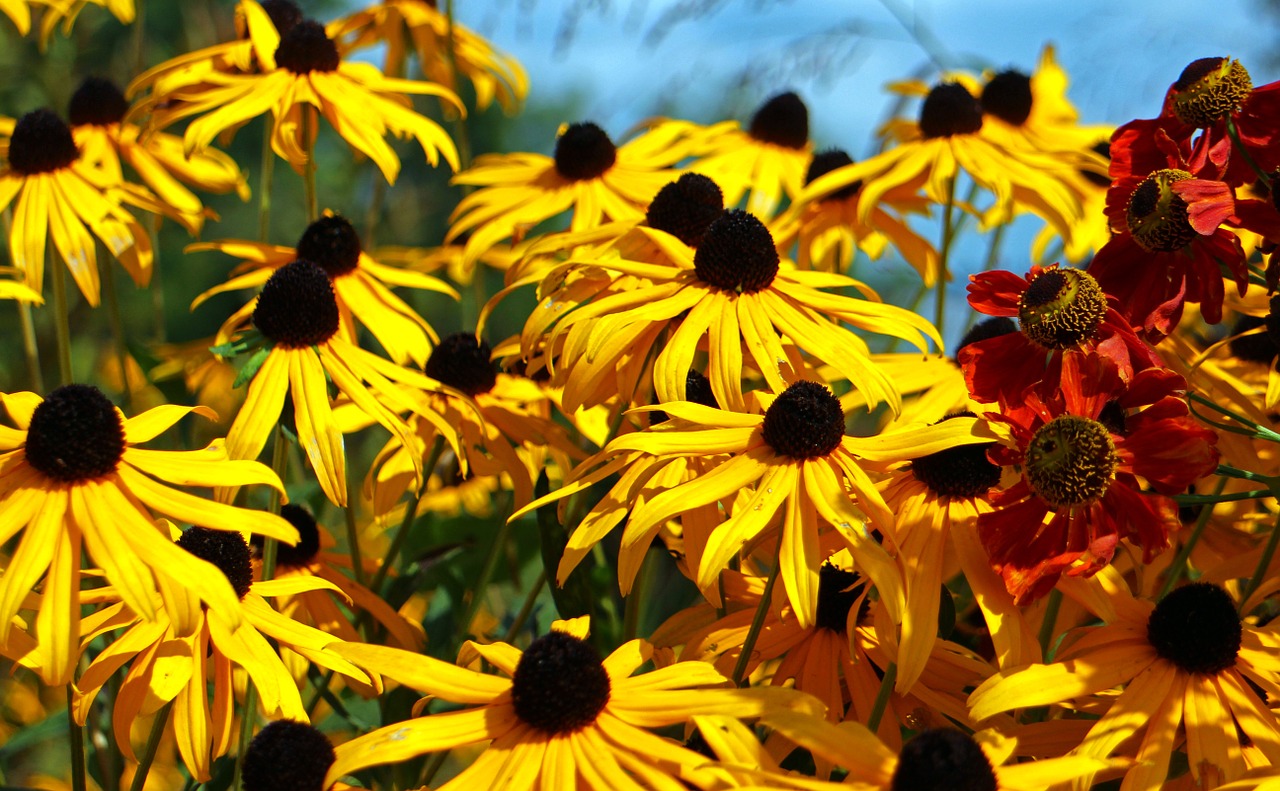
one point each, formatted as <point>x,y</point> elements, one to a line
<point>72,479</point>
<point>560,716</point>
<point>302,74</point>
<point>179,655</point>
<point>67,11</point>
<point>19,12</point>
<point>360,284</point>
<point>1188,665</point>
<point>58,197</point>
<point>289,754</point>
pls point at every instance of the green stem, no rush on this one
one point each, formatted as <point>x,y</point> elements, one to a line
<point>266,171</point>
<point>318,690</point>
<point>944,254</point>
<point>149,752</point>
<point>75,736</point>
<point>461,139</point>
<point>882,697</point>
<point>157,284</point>
<point>753,634</point>
<point>248,714</point>
<point>482,582</point>
<point>1179,565</point>
<point>1050,622</point>
<point>30,350</point>
<point>526,608</point>
<point>635,602</point>
<point>309,130</point>
<point>61,321</point>
<point>433,766</point>
<point>112,300</point>
<point>353,540</point>
<point>410,513</point>
<point>280,466</point>
<point>1234,133</point>
<point>1264,563</point>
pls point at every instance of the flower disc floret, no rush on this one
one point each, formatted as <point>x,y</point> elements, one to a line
<point>297,307</point>
<point>287,755</point>
<point>560,684</point>
<point>225,549</point>
<point>1196,627</point>
<point>985,330</point>
<point>686,207</point>
<point>1061,308</point>
<point>737,254</point>
<point>1008,97</point>
<point>41,143</point>
<point>75,435</point>
<point>1070,461</point>
<point>948,110</point>
<point>584,152</point>
<point>1157,216</point>
<point>838,589</point>
<point>961,471</point>
<point>804,422</point>
<point>99,102</point>
<point>943,758</point>
<point>308,546</point>
<point>284,14</point>
<point>462,362</point>
<point>823,163</point>
<point>1210,89</point>
<point>782,121</point>
<point>332,243</point>
<point>305,48</point>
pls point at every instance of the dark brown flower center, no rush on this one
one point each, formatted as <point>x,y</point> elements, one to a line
<point>287,755</point>
<point>950,109</point>
<point>825,162</point>
<point>838,589</point>
<point>1260,347</point>
<point>1196,628</point>
<point>1062,308</point>
<point>297,307</point>
<point>584,152</point>
<point>988,328</point>
<point>283,14</point>
<point>41,143</point>
<point>305,48</point>
<point>332,243</point>
<point>225,549</point>
<point>75,435</point>
<point>804,422</point>
<point>1209,89</point>
<point>1157,216</point>
<point>782,121</point>
<point>308,546</point>
<point>737,254</point>
<point>462,362</point>
<point>97,101</point>
<point>560,684</point>
<point>962,471</point>
<point>1070,461</point>
<point>1099,178</point>
<point>697,388</point>
<point>686,207</point>
<point>1007,96</point>
<point>943,760</point>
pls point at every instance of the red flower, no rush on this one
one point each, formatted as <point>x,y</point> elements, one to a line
<point>1060,312</point>
<point>1090,451</point>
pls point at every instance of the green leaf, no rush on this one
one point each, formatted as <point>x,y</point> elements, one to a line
<point>251,367</point>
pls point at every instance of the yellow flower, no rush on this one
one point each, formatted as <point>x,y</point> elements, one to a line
<point>66,12</point>
<point>19,12</point>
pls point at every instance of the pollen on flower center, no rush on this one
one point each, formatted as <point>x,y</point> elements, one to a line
<point>838,589</point>
<point>686,207</point>
<point>804,422</point>
<point>737,254</point>
<point>462,362</point>
<point>1157,216</point>
<point>782,121</point>
<point>225,549</point>
<point>287,755</point>
<point>560,684</point>
<point>97,101</point>
<point>332,243</point>
<point>823,163</point>
<point>950,109</point>
<point>961,471</point>
<point>1061,308</point>
<point>1196,628</point>
<point>584,152</point>
<point>1209,89</point>
<point>305,48</point>
<point>75,435</point>
<point>1070,461</point>
<point>41,143</point>
<point>297,307</point>
<point>284,14</point>
<point>943,758</point>
<point>308,546</point>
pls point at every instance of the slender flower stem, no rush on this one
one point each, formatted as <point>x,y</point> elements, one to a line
<point>1234,133</point>
<point>75,738</point>
<point>30,350</point>
<point>149,752</point>
<point>1179,565</point>
<point>1264,563</point>
<point>112,301</point>
<point>410,513</point>
<point>944,254</point>
<point>635,601</point>
<point>526,609</point>
<point>882,697</point>
<point>248,715</point>
<point>482,582</point>
<point>353,541</point>
<point>309,129</point>
<point>461,139</point>
<point>265,173</point>
<point>753,634</point>
<point>61,321</point>
<point>1050,622</point>
<point>280,466</point>
<point>156,286</point>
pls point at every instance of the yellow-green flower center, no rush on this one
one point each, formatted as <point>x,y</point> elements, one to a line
<point>1209,89</point>
<point>1070,461</point>
<point>1157,216</point>
<point>1061,308</point>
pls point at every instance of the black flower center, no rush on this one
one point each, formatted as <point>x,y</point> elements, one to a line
<point>943,760</point>
<point>1062,308</point>
<point>287,755</point>
<point>1007,96</point>
<point>99,102</point>
<point>283,13</point>
<point>584,152</point>
<point>305,48</point>
<point>1099,178</point>
<point>308,546</point>
<point>332,243</point>
<point>838,589</point>
<point>1259,347</point>
<point>950,109</point>
<point>737,254</point>
<point>686,207</point>
<point>804,422</point>
<point>697,388</point>
<point>560,684</point>
<point>75,435</point>
<point>1209,89</point>
<point>1196,628</point>
<point>782,121</point>
<point>1157,216</point>
<point>962,471</point>
<point>41,143</point>
<point>462,362</point>
<point>297,307</point>
<point>988,328</point>
<point>225,549</point>
<point>823,163</point>
<point>1070,461</point>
